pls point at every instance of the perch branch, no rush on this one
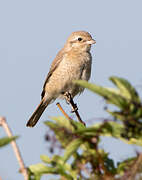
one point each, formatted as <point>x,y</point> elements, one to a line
<point>74,107</point>
<point>23,169</point>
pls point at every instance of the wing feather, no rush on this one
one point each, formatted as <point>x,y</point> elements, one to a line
<point>54,65</point>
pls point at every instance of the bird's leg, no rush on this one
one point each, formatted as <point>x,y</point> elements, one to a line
<point>67,96</point>
<point>69,99</point>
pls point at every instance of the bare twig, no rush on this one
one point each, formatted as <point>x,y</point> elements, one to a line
<point>65,114</point>
<point>23,169</point>
<point>74,106</point>
<point>62,110</point>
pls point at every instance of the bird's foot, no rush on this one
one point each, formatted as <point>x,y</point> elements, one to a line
<point>74,109</point>
<point>69,100</point>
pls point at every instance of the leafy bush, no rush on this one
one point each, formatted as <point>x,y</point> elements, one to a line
<point>81,157</point>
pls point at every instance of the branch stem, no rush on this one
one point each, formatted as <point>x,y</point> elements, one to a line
<point>16,150</point>
<point>63,112</point>
<point>74,107</point>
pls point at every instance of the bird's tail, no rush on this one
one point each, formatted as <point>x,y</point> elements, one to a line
<point>37,114</point>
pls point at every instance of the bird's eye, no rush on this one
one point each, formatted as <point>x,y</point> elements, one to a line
<point>79,39</point>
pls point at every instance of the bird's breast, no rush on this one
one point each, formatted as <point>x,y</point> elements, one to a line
<point>72,67</point>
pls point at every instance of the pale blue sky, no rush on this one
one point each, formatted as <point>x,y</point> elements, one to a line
<point>31,34</point>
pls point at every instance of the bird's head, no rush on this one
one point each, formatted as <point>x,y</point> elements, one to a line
<point>80,40</point>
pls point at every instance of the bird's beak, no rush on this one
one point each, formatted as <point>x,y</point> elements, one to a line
<point>92,41</point>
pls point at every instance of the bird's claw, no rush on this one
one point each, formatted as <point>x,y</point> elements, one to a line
<point>67,101</point>
<point>74,109</point>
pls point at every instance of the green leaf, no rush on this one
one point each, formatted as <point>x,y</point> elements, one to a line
<point>87,131</point>
<point>111,96</point>
<point>45,158</point>
<point>69,124</point>
<point>57,162</point>
<point>138,113</point>
<point>61,132</point>
<point>63,122</point>
<point>71,148</point>
<point>127,90</point>
<point>113,90</point>
<point>6,140</point>
<point>41,169</point>
<point>50,124</point>
<point>117,115</point>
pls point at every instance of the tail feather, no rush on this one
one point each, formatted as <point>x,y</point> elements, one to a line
<point>37,114</point>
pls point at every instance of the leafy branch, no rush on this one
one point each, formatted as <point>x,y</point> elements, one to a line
<point>11,139</point>
<point>81,157</point>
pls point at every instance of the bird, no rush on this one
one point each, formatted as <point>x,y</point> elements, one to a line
<point>73,62</point>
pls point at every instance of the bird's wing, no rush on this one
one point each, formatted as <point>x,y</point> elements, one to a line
<point>54,65</point>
